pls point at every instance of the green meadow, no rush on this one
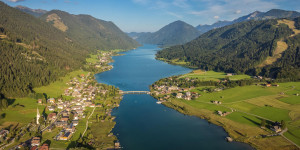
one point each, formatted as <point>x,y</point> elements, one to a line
<point>250,104</point>
<point>212,75</point>
<point>57,88</point>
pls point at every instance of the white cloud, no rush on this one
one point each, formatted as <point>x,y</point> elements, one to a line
<point>181,3</point>
<point>238,11</point>
<point>174,14</point>
<point>216,17</point>
<point>228,8</point>
<point>15,1</point>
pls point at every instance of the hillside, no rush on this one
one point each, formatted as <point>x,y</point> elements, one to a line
<point>243,47</point>
<point>90,32</point>
<point>174,33</point>
<point>34,12</point>
<point>136,35</point>
<point>33,52</point>
<point>271,14</point>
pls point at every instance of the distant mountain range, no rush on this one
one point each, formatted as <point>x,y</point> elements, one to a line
<point>175,33</point>
<point>272,14</point>
<point>34,12</point>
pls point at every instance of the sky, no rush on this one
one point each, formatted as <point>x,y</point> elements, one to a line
<point>151,15</point>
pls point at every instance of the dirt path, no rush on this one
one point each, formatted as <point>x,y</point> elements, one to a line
<point>87,122</point>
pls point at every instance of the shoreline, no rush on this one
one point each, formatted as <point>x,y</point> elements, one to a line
<point>164,91</point>
<point>55,90</point>
<point>206,115</point>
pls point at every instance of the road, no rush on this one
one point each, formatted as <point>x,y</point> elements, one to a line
<point>87,122</point>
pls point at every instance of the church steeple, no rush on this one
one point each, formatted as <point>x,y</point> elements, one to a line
<point>37,116</point>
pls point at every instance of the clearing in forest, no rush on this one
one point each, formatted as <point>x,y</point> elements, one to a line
<point>281,45</point>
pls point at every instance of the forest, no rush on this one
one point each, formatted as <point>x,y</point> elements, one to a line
<point>241,48</point>
<point>35,53</point>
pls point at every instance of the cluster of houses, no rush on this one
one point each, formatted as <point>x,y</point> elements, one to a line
<point>104,58</point>
<point>223,113</point>
<point>83,94</point>
<point>34,144</point>
<point>3,133</point>
<point>182,93</point>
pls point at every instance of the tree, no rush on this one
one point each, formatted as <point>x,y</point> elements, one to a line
<point>263,123</point>
<point>71,117</point>
<point>41,120</point>
<point>283,124</point>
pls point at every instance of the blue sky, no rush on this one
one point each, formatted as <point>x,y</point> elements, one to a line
<point>151,15</point>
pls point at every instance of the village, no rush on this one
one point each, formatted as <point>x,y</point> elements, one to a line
<point>176,87</point>
<point>66,112</point>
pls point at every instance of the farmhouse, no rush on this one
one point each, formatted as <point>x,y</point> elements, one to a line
<point>52,116</point>
<point>51,100</point>
<point>66,136</point>
<point>44,147</point>
<point>3,133</point>
<point>179,95</point>
<point>51,108</point>
<point>61,124</point>
<point>35,141</point>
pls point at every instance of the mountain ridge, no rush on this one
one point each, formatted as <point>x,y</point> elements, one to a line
<point>34,12</point>
<point>243,47</point>
<point>175,33</point>
<point>256,15</point>
<point>90,32</point>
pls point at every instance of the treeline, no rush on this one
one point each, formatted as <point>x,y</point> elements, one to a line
<point>240,48</point>
<point>183,83</point>
<point>3,103</point>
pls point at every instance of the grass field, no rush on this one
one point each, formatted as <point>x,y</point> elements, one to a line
<point>57,88</point>
<point>212,75</point>
<point>93,59</point>
<point>251,104</point>
<point>25,107</point>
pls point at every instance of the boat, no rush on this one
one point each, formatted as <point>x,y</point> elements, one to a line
<point>158,102</point>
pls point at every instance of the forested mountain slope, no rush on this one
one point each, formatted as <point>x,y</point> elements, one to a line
<point>33,52</point>
<point>90,32</point>
<point>34,12</point>
<point>243,47</point>
<point>174,33</point>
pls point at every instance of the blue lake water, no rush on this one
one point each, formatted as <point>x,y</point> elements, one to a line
<point>141,124</point>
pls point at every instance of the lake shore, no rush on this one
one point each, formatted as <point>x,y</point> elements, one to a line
<point>100,123</point>
<point>241,126</point>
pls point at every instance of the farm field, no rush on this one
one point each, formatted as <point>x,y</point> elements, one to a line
<point>56,88</point>
<point>247,107</point>
<point>212,75</point>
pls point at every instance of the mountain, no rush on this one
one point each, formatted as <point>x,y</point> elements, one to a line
<point>90,32</point>
<point>34,12</point>
<point>271,14</point>
<point>33,52</point>
<point>136,35</point>
<point>174,33</point>
<point>269,48</point>
<point>205,28</point>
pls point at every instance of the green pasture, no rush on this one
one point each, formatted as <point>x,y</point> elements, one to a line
<point>57,88</point>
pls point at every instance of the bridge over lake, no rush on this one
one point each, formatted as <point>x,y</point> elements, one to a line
<point>134,92</point>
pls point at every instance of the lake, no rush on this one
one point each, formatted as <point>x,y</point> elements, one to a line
<point>141,124</point>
